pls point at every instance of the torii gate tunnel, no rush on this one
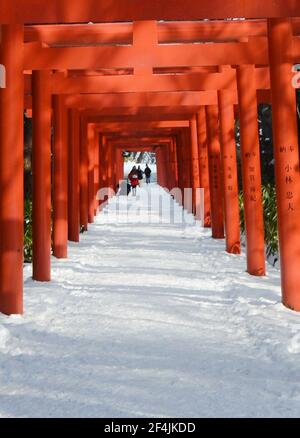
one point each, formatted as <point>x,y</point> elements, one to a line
<point>116,74</point>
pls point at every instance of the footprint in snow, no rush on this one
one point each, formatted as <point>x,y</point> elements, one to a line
<point>294,345</point>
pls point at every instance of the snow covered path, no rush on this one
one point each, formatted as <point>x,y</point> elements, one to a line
<point>150,320</point>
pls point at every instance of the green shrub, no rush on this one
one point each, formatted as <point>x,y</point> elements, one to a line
<point>270,218</point>
<point>28,231</point>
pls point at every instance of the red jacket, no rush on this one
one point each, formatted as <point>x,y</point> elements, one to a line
<point>134,179</point>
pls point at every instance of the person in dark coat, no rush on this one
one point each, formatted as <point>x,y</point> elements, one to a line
<point>134,180</point>
<point>148,172</point>
<point>124,188</point>
<point>140,173</point>
<point>128,187</point>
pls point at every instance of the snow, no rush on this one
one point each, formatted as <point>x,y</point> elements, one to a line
<point>150,319</point>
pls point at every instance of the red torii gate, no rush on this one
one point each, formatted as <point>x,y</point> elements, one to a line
<point>167,32</point>
<point>280,37</point>
<point>157,145</point>
<point>232,223</point>
<point>130,81</point>
<point>76,11</point>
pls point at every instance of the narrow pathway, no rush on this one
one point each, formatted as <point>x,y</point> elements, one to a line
<point>150,319</point>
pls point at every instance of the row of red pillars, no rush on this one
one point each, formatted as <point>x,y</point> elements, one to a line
<point>88,164</point>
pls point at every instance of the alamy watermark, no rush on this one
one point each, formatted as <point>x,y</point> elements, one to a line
<point>156,206</point>
<point>2,76</point>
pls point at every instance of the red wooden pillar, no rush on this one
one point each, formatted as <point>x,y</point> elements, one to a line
<point>175,170</point>
<point>168,168</point>
<point>203,164</point>
<point>160,170</point>
<point>103,164</point>
<point>60,198</point>
<point>182,173</point>
<point>97,171</point>
<point>214,156</point>
<point>286,157</point>
<point>229,172</point>
<point>110,167</point>
<point>165,164</point>
<point>114,167</point>
<point>122,174</point>
<point>194,163</point>
<point>170,165</point>
<point>165,182</point>
<point>178,171</point>
<point>84,170</point>
<point>186,165</point>
<point>107,167</point>
<point>250,156</point>
<point>174,163</point>
<point>187,158</point>
<point>41,169</point>
<point>11,171</point>
<point>158,166</point>
<point>119,164</point>
<point>179,165</point>
<point>91,172</point>
<point>108,170</point>
<point>73,164</point>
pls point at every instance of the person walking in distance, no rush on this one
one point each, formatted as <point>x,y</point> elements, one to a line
<point>134,180</point>
<point>141,174</point>
<point>148,172</point>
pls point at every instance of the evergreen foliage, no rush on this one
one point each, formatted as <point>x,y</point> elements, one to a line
<point>270,218</point>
